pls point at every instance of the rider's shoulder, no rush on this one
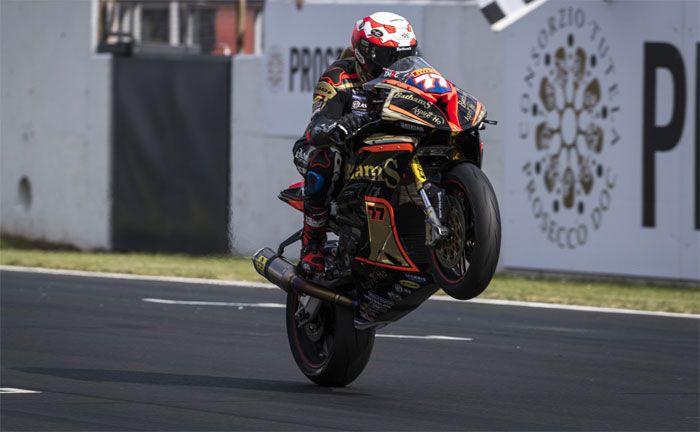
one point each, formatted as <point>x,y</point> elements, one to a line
<point>340,73</point>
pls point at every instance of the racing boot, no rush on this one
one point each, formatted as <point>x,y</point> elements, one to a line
<point>313,239</point>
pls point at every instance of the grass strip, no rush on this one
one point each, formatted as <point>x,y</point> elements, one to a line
<point>653,297</point>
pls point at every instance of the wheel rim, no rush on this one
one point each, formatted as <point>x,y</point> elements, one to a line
<point>313,340</point>
<point>450,249</point>
<point>453,254</point>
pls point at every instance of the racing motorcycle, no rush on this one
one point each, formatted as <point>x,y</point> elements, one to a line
<point>415,214</point>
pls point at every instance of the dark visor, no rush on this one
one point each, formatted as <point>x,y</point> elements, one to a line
<point>387,56</point>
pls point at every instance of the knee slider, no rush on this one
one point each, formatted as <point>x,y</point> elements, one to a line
<point>315,183</point>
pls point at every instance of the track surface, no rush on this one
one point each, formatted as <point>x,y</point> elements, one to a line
<point>106,360</point>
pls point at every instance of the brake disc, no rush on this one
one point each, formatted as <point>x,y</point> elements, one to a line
<point>314,330</point>
<point>450,249</point>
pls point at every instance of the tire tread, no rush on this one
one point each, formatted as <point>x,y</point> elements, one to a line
<point>488,231</point>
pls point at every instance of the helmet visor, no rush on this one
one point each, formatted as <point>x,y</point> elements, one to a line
<point>384,56</point>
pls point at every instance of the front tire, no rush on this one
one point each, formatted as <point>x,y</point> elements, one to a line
<point>464,262</point>
<point>329,350</point>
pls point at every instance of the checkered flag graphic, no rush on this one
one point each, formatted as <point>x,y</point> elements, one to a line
<point>502,13</point>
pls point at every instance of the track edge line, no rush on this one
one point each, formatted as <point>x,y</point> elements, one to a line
<point>251,284</point>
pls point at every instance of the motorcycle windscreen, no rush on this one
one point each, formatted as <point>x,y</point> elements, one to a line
<point>400,70</point>
<point>421,95</point>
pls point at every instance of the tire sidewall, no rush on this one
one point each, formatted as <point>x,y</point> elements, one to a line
<point>308,367</point>
<point>348,354</point>
<point>487,232</point>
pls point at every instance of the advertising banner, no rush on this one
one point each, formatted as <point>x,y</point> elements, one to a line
<point>299,45</point>
<point>602,154</point>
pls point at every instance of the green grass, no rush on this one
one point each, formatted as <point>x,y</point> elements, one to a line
<point>19,252</point>
<point>656,297</point>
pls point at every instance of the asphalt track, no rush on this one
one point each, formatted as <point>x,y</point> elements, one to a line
<point>104,359</point>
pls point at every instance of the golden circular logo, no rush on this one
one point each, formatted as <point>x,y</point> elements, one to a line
<point>567,117</point>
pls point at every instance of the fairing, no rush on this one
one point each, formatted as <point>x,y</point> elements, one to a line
<point>420,95</point>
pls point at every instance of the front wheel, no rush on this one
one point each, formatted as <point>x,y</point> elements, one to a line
<point>328,349</point>
<point>464,262</point>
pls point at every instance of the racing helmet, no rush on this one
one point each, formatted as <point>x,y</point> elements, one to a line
<point>381,39</point>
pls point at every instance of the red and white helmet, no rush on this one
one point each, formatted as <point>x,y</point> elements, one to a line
<point>380,40</point>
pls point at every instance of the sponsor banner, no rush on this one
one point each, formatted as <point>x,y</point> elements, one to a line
<point>299,46</point>
<point>602,135</point>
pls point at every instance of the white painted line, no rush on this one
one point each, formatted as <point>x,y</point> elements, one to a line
<point>212,303</point>
<point>570,307</point>
<point>429,337</point>
<point>246,284</point>
<point>12,390</point>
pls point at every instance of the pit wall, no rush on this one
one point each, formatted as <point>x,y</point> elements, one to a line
<point>55,125</point>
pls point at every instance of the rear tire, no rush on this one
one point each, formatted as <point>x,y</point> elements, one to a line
<point>464,262</point>
<point>329,351</point>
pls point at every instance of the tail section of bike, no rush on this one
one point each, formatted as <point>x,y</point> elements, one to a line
<point>294,195</point>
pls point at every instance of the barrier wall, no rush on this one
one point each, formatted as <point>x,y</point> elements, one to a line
<point>603,155</point>
<point>260,166</point>
<point>54,130</point>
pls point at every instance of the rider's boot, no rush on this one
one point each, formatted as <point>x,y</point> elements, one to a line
<point>313,239</point>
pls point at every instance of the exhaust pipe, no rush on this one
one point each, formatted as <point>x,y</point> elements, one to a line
<point>282,273</point>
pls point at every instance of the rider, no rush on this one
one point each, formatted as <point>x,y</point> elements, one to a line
<point>339,110</point>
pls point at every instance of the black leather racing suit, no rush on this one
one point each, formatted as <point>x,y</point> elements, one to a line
<point>339,92</point>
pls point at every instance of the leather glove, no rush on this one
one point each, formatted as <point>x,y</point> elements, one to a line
<point>329,132</point>
<point>348,124</point>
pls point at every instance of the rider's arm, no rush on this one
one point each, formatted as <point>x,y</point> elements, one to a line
<point>329,106</point>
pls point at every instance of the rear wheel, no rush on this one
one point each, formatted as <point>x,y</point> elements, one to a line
<point>328,349</point>
<point>464,262</point>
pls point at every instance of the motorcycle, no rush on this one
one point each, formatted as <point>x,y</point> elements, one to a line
<point>415,214</point>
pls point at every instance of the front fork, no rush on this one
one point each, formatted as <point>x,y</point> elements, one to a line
<point>437,229</point>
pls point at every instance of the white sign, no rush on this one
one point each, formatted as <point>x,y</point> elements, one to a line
<point>602,139</point>
<point>299,46</point>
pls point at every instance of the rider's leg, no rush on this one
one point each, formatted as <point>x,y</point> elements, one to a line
<point>322,175</point>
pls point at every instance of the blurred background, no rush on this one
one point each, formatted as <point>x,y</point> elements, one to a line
<point>167,126</point>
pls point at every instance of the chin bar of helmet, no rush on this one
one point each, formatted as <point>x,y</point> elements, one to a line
<point>284,274</point>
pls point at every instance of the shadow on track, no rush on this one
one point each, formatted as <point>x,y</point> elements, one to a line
<point>168,379</point>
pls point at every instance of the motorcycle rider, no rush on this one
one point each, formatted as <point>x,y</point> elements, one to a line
<point>339,110</point>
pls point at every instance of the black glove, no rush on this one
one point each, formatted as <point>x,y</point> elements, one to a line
<point>327,132</point>
<point>348,124</point>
